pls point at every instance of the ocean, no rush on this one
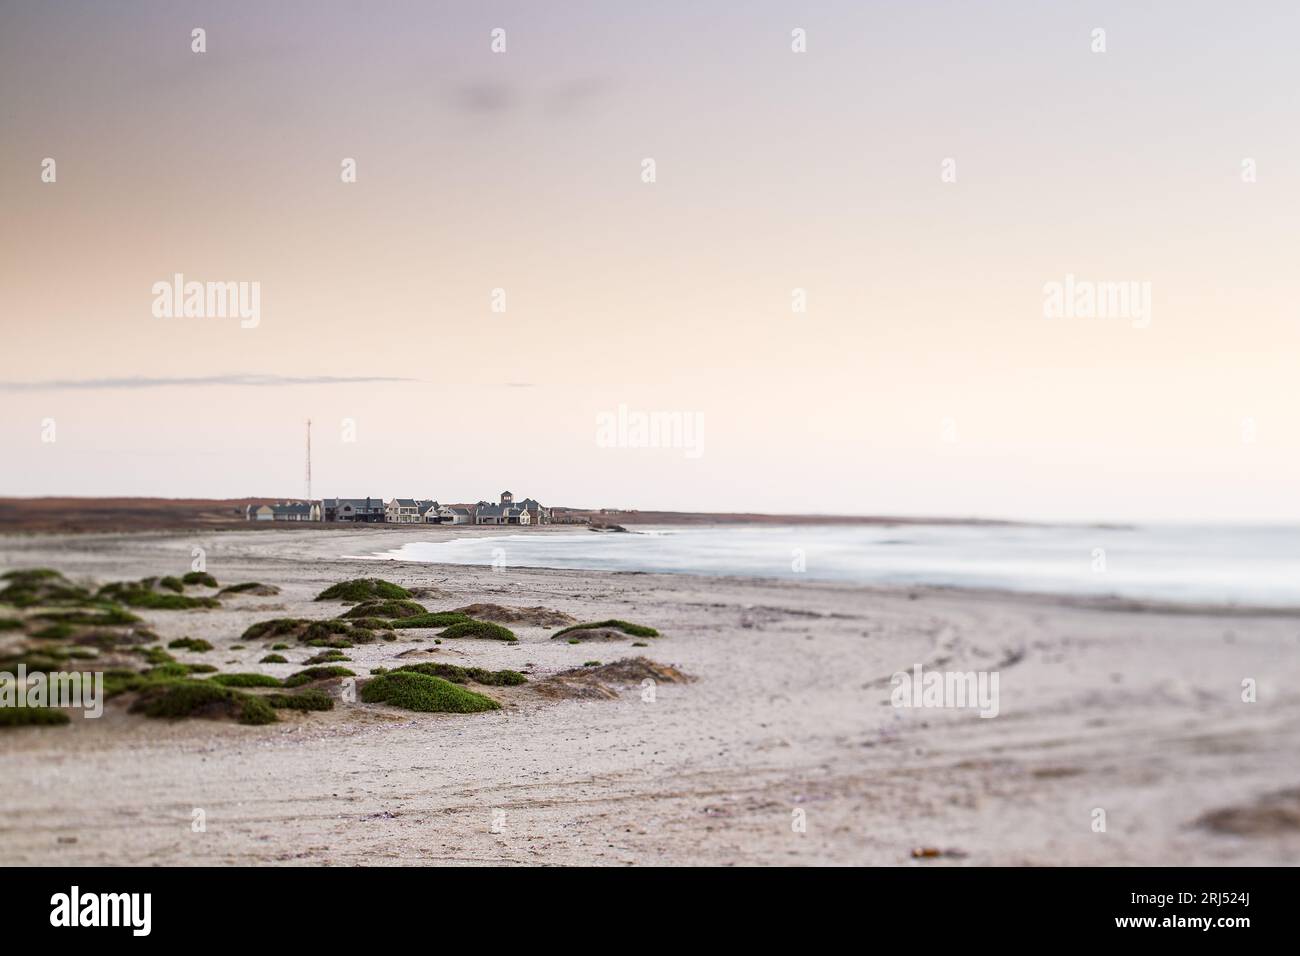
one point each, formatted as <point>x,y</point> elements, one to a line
<point>1221,564</point>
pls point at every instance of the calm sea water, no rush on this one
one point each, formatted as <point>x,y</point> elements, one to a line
<point>1219,564</point>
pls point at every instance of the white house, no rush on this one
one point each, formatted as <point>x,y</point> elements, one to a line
<point>455,514</point>
<point>401,511</point>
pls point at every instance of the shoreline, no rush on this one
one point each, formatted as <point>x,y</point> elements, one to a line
<point>1135,712</point>
<point>441,533</point>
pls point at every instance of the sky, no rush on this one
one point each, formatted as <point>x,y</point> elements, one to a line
<point>838,274</point>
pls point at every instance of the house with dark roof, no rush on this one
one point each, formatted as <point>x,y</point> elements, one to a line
<point>507,511</point>
<point>456,514</point>
<point>284,511</point>
<point>368,510</point>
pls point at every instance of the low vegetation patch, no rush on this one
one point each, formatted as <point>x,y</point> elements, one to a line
<point>484,629</point>
<point>413,691</point>
<point>337,643</point>
<point>108,615</point>
<point>274,659</point>
<point>370,623</point>
<point>328,657</point>
<point>145,594</point>
<point>276,627</point>
<point>309,699</point>
<point>36,587</point>
<point>201,698</point>
<point>31,717</point>
<point>172,584</point>
<point>385,609</point>
<point>318,633</point>
<point>364,589</point>
<point>246,680</point>
<point>55,632</point>
<point>11,624</point>
<point>197,644</point>
<point>627,627</point>
<point>310,674</point>
<point>250,587</point>
<point>464,675</point>
<point>155,655</point>
<point>438,619</point>
<point>319,630</point>
<point>200,577</point>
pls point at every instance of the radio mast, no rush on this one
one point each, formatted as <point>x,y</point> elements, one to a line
<point>309,461</point>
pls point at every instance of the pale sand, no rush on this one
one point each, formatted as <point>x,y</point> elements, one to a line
<point>1136,713</point>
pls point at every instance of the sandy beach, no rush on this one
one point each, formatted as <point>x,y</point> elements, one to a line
<point>1135,711</point>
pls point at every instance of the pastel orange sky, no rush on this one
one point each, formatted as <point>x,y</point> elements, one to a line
<point>922,379</point>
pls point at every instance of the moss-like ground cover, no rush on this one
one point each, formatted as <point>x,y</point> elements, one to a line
<point>627,627</point>
<point>485,629</point>
<point>412,691</point>
<point>364,589</point>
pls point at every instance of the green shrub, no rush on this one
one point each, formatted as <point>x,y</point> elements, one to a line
<point>155,655</point>
<point>274,659</point>
<point>31,574</point>
<point>196,644</point>
<point>484,629</point>
<point>279,647</point>
<point>201,698</point>
<point>437,619</point>
<point>635,630</point>
<point>167,671</point>
<point>11,624</point>
<point>335,642</point>
<point>199,577</point>
<point>591,663</point>
<point>421,692</point>
<point>119,681</point>
<point>325,672</point>
<point>247,587</point>
<point>106,615</point>
<point>385,609</point>
<point>363,589</point>
<point>31,717</point>
<point>255,710</point>
<point>319,630</point>
<point>142,594</point>
<point>462,675</point>
<point>276,627</point>
<point>309,699</point>
<point>55,632</point>
<point>327,657</point>
<point>172,584</point>
<point>246,680</point>
<point>33,587</point>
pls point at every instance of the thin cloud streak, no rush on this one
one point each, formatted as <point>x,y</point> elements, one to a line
<point>140,381</point>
